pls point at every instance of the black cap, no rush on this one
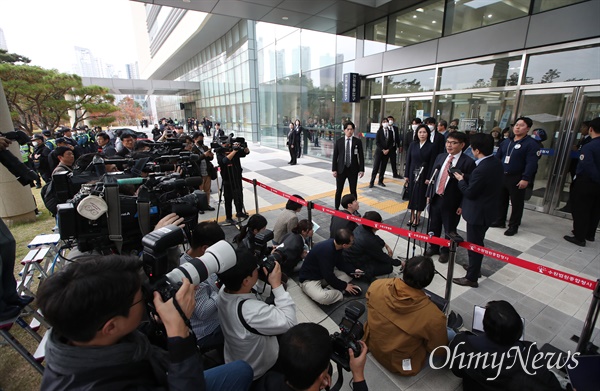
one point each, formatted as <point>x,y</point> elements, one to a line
<point>37,137</point>
<point>60,140</point>
<point>595,124</point>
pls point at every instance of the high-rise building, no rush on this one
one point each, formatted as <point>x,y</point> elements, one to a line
<point>3,41</point>
<point>132,71</point>
<point>86,65</point>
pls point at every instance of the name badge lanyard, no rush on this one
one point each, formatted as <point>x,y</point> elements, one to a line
<point>510,151</point>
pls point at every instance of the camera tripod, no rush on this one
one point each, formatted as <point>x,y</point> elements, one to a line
<point>234,185</point>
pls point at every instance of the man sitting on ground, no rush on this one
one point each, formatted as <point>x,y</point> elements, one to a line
<point>503,328</point>
<point>304,360</point>
<point>350,205</point>
<point>250,325</point>
<point>94,306</point>
<point>403,324</point>
<point>326,262</point>
<point>367,251</point>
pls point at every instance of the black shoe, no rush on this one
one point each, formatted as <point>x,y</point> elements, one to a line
<point>201,212</point>
<point>20,301</point>
<point>464,282</point>
<point>430,252</point>
<point>498,224</point>
<point>398,176</point>
<point>396,262</point>
<point>381,184</point>
<point>242,215</point>
<point>511,231</point>
<point>230,221</point>
<point>590,239</point>
<point>210,208</point>
<point>10,313</point>
<point>574,240</point>
<point>371,185</point>
<point>443,258</point>
<point>467,266</point>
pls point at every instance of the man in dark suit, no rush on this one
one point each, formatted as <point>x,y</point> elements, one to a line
<point>348,162</point>
<point>481,197</point>
<point>384,140</point>
<point>437,139</point>
<point>445,202</point>
<point>395,148</point>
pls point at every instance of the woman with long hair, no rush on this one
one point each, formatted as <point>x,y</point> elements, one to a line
<point>256,223</point>
<point>293,246</point>
<point>420,157</point>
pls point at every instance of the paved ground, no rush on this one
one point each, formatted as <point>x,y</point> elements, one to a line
<point>554,310</point>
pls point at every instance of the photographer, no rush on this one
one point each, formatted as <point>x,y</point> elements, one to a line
<point>304,360</point>
<point>245,239</point>
<point>293,246</point>
<point>205,319</point>
<point>228,157</point>
<point>250,325</point>
<point>95,306</point>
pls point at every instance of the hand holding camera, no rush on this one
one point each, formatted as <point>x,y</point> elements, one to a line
<point>274,277</point>
<point>173,321</point>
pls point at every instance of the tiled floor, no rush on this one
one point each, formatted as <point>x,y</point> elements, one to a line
<point>553,310</point>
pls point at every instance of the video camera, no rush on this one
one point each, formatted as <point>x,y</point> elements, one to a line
<point>229,143</point>
<point>264,257</point>
<point>351,331</point>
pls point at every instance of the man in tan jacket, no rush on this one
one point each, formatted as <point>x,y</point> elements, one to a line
<point>403,324</point>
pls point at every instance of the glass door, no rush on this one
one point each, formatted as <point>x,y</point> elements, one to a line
<point>560,112</point>
<point>397,109</point>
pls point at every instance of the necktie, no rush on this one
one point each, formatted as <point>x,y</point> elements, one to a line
<point>442,184</point>
<point>348,153</point>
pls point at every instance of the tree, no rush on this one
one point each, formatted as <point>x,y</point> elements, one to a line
<point>37,97</point>
<point>93,103</point>
<point>12,58</point>
<point>550,76</point>
<point>130,112</point>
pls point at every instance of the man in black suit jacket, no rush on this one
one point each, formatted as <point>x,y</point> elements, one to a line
<point>437,139</point>
<point>480,202</point>
<point>392,156</point>
<point>446,198</point>
<point>384,139</point>
<point>347,164</point>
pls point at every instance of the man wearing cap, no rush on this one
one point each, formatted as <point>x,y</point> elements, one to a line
<point>519,157</point>
<point>586,190</point>
<point>49,140</point>
<point>39,157</point>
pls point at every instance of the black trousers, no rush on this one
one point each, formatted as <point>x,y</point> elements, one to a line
<point>517,200</point>
<point>340,180</point>
<point>293,154</point>
<point>440,217</point>
<point>8,284</point>
<point>379,165</point>
<point>392,158</point>
<point>475,235</point>
<point>585,208</point>
<point>233,192</point>
<point>298,149</point>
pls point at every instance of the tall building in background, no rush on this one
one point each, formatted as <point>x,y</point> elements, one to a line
<point>3,41</point>
<point>86,65</point>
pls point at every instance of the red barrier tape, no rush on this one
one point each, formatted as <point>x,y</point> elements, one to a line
<point>547,271</point>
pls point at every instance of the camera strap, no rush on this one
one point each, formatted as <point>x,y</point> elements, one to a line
<point>143,208</point>
<point>243,321</point>
<point>181,313</point>
<point>114,215</point>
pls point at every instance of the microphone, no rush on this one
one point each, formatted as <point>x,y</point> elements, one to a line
<point>433,175</point>
<point>419,174</point>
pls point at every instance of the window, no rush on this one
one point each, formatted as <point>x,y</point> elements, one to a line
<point>546,5</point>
<point>467,15</point>
<point>418,24</point>
<point>375,37</point>
<point>568,65</point>
<point>410,82</point>
<point>485,74</point>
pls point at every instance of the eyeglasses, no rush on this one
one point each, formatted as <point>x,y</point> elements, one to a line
<point>448,142</point>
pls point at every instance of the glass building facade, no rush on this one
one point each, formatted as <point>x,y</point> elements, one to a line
<point>259,76</point>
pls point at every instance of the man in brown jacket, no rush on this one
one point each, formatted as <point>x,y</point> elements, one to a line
<point>403,324</point>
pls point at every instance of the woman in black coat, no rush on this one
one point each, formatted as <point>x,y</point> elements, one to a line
<point>291,143</point>
<point>298,130</point>
<point>421,153</point>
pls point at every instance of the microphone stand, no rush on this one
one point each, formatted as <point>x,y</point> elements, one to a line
<point>412,192</point>
<point>428,206</point>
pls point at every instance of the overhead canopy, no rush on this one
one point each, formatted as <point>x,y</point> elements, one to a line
<point>143,87</point>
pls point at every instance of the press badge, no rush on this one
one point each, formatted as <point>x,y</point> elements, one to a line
<point>406,365</point>
<point>506,160</point>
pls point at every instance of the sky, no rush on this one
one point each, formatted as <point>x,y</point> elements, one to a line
<point>47,31</point>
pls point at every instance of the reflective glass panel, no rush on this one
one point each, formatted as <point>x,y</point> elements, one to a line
<point>419,23</point>
<point>493,73</point>
<point>545,5</point>
<point>318,49</point>
<point>570,65</point>
<point>410,82</point>
<point>346,47</point>
<point>375,37</point>
<point>467,15</point>
<point>287,55</point>
<point>372,87</point>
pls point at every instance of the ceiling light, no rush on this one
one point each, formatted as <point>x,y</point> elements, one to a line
<point>186,1</point>
<point>420,10</point>
<point>284,18</point>
<point>490,15</point>
<point>414,16</point>
<point>433,21</point>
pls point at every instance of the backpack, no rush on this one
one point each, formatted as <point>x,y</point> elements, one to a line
<point>211,170</point>
<point>49,197</point>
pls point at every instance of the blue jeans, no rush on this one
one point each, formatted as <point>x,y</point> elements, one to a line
<point>235,376</point>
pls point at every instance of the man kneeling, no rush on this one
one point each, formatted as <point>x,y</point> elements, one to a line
<point>94,307</point>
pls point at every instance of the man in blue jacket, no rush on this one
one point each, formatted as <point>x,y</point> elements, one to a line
<point>519,158</point>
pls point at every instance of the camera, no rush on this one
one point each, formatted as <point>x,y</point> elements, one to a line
<point>453,170</point>
<point>351,331</point>
<point>260,249</point>
<point>161,257</point>
<point>229,143</point>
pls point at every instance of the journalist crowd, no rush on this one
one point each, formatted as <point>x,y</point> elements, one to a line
<point>171,304</point>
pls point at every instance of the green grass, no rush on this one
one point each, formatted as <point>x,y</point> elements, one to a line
<point>15,372</point>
